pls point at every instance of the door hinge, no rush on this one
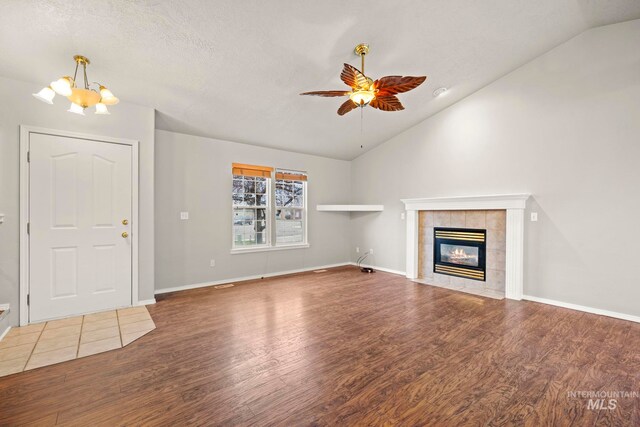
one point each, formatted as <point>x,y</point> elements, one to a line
<point>28,299</point>
<point>28,228</point>
<point>28,156</point>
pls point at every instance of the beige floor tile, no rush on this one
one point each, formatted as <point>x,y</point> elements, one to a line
<point>100,346</point>
<point>100,324</point>
<point>134,318</point>
<point>13,366</point>
<point>18,352</point>
<point>97,317</point>
<point>99,334</point>
<point>146,325</point>
<point>61,323</point>
<point>19,339</point>
<point>131,311</point>
<point>52,357</point>
<point>23,330</point>
<point>131,337</point>
<point>48,334</point>
<point>53,344</point>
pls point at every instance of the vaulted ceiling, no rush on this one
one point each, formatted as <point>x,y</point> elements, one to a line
<point>233,69</point>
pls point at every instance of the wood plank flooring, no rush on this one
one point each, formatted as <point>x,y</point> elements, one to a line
<point>342,348</point>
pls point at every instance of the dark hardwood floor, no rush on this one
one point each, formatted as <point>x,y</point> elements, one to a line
<point>342,348</point>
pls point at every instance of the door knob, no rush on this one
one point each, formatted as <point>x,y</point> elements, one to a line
<point>125,235</point>
<point>125,221</point>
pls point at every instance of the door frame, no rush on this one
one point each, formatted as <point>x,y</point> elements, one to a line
<point>25,132</point>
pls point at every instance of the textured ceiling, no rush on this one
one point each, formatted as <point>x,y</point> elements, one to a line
<point>233,69</point>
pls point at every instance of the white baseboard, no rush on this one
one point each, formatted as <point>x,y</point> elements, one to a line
<point>6,331</point>
<point>242,279</point>
<point>386,270</point>
<point>147,301</point>
<point>577,307</point>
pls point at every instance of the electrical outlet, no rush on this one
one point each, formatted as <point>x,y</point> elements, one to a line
<point>357,249</point>
<point>370,251</point>
<point>534,216</point>
<point>184,215</point>
<point>402,216</point>
<point>212,263</point>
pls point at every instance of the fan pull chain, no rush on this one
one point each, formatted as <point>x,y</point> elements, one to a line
<point>361,126</point>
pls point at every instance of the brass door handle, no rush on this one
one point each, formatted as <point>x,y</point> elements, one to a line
<point>125,221</point>
<point>125,235</point>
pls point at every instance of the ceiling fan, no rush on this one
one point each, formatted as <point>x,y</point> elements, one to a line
<point>380,94</point>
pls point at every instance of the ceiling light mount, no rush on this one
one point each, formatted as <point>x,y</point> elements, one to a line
<point>361,49</point>
<point>81,97</point>
<point>81,59</point>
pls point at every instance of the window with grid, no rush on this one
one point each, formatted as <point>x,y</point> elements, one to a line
<point>251,189</point>
<point>290,207</point>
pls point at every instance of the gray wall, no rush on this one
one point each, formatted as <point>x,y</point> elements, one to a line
<point>18,107</point>
<point>194,174</point>
<point>564,127</point>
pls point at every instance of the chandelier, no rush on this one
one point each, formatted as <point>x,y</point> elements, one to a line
<point>81,97</point>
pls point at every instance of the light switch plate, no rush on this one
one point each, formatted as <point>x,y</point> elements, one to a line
<point>184,215</point>
<point>534,216</point>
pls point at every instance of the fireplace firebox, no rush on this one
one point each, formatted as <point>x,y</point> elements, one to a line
<point>460,252</point>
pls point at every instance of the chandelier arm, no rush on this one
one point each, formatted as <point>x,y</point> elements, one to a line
<point>84,68</point>
<point>75,73</point>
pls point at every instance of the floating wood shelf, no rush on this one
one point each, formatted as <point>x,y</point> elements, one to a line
<point>350,208</point>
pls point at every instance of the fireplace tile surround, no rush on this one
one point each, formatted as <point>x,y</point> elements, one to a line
<point>493,221</point>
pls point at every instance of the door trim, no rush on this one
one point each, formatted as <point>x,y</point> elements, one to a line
<point>25,131</point>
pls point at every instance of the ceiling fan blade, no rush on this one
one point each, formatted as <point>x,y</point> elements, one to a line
<point>353,77</point>
<point>346,107</point>
<point>391,85</point>
<point>327,93</point>
<point>387,103</point>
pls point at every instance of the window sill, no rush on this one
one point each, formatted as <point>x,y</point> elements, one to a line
<point>238,251</point>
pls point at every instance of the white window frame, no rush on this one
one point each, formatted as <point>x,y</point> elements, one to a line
<point>304,220</point>
<point>253,248</point>
<point>271,237</point>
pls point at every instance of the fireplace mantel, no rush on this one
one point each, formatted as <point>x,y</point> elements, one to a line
<point>514,204</point>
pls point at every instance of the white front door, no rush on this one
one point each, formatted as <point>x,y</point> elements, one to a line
<point>79,207</point>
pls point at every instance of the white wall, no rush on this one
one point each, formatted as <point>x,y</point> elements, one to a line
<point>564,127</point>
<point>194,174</point>
<point>18,107</point>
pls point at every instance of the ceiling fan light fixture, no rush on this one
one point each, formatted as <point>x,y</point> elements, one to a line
<point>45,95</point>
<point>362,97</point>
<point>379,94</point>
<point>63,85</point>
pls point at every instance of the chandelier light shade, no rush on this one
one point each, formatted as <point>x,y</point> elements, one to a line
<point>107,96</point>
<point>81,97</point>
<point>63,86</point>
<point>45,95</point>
<point>76,109</point>
<point>101,108</point>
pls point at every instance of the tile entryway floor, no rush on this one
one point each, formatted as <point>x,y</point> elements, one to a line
<point>56,341</point>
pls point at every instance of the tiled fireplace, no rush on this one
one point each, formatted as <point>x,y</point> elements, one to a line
<point>468,226</point>
<point>463,250</point>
